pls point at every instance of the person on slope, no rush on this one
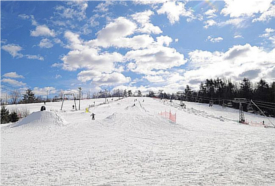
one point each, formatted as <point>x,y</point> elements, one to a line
<point>93,116</point>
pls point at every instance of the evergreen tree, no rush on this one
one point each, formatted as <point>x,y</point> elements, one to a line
<point>125,93</point>
<point>262,91</point>
<point>151,94</point>
<point>230,90</point>
<point>139,93</point>
<point>4,115</point>
<point>28,97</point>
<point>130,93</point>
<point>246,89</point>
<point>272,90</point>
<point>13,117</point>
<point>187,92</point>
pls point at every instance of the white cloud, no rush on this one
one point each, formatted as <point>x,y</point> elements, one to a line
<point>76,9</point>
<point>214,40</point>
<point>174,10</point>
<point>210,13</point>
<point>116,34</point>
<point>13,82</point>
<point>238,36</point>
<point>238,62</point>
<point>164,40</point>
<point>23,16</point>
<point>111,79</point>
<point>13,50</point>
<point>149,2</point>
<point>209,23</point>
<point>89,58</point>
<point>143,18</point>
<point>93,21</point>
<point>267,32</point>
<point>45,43</point>
<point>176,40</point>
<point>154,79</point>
<point>74,41</point>
<point>44,91</point>
<point>103,7</point>
<point>34,23</point>
<point>236,8</point>
<point>101,79</point>
<point>13,75</point>
<point>42,30</point>
<point>58,76</point>
<point>154,57</point>
<point>267,15</point>
<point>88,75</point>
<point>272,39</point>
<point>237,22</point>
<point>38,57</point>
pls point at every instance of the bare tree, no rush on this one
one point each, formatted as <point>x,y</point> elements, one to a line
<point>88,95</point>
<point>15,95</point>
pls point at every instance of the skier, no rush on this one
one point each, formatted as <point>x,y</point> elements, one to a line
<point>73,106</point>
<point>93,116</point>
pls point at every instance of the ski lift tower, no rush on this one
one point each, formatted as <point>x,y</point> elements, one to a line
<point>241,114</point>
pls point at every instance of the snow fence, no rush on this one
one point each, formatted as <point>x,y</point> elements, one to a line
<point>169,115</point>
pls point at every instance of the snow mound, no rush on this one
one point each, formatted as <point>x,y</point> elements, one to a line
<point>42,118</point>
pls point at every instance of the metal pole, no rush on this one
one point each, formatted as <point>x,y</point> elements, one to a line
<point>79,97</point>
<point>62,103</point>
<point>105,96</point>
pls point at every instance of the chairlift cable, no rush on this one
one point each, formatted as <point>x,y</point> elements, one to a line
<point>264,102</point>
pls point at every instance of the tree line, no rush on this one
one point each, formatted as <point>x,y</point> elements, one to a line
<point>223,91</point>
<point>219,91</point>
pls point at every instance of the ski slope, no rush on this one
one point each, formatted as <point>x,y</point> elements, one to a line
<point>129,143</point>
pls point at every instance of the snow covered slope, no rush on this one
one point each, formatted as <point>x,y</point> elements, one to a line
<point>129,143</point>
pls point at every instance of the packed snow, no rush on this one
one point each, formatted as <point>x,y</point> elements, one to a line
<point>129,143</point>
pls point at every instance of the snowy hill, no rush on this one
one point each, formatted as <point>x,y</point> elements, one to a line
<point>129,143</point>
<point>41,118</point>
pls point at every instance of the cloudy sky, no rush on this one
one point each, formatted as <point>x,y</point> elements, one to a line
<point>138,45</point>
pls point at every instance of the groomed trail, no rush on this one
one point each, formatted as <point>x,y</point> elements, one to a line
<point>129,143</point>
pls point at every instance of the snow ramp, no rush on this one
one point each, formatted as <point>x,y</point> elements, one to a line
<point>41,118</point>
<point>135,118</point>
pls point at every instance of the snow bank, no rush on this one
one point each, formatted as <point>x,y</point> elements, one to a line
<point>42,118</point>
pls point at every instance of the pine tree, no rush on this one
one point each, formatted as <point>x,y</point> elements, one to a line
<point>4,115</point>
<point>151,94</point>
<point>130,93</point>
<point>13,117</point>
<point>262,91</point>
<point>246,89</point>
<point>125,93</point>
<point>28,97</point>
<point>139,93</point>
<point>188,93</point>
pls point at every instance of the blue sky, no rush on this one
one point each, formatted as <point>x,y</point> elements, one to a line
<point>139,45</point>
